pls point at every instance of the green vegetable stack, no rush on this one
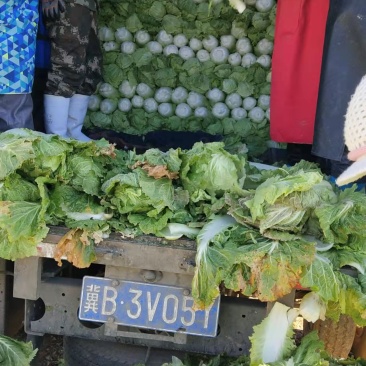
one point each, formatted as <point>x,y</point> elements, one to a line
<point>186,65</point>
<point>261,233</point>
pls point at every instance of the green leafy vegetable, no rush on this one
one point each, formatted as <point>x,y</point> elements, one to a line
<point>15,353</point>
<point>272,339</point>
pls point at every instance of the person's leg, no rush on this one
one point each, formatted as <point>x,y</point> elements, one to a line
<point>93,76</point>
<point>79,101</point>
<point>69,39</point>
<point>55,114</point>
<point>39,85</point>
<point>16,111</point>
<point>76,115</point>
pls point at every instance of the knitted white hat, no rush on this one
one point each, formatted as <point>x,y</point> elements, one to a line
<point>355,135</point>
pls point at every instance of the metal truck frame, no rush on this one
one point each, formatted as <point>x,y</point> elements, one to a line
<point>52,294</point>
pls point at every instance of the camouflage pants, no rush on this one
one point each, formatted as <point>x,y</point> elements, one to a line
<point>76,54</point>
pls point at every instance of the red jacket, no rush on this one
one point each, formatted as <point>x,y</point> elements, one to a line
<point>296,67</point>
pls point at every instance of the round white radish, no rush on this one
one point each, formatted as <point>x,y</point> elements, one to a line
<point>201,112</point>
<point>195,44</point>
<point>110,46</point>
<point>195,100</point>
<point>264,101</point>
<point>142,37</point>
<point>215,95</point>
<point>94,102</point>
<point>128,47</point>
<point>180,40</point>
<point>179,95</point>
<point>220,55</point>
<point>265,61</point>
<point>248,60</point>
<point>243,46</point>
<point>209,43</point>
<point>150,105</point>
<point>238,113</point>
<point>137,101</point>
<point>233,100</point>
<point>183,110</point>
<point>171,49</point>
<point>124,105</point>
<point>126,89</point>
<point>186,53</point>
<point>256,114</point>
<point>228,41</point>
<point>164,38</point>
<point>123,34</point>
<point>154,47</point>
<point>163,94</point>
<point>203,55</point>
<point>234,59</point>
<point>249,103</point>
<point>220,110</point>
<point>166,109</point>
<point>144,90</point>
<point>264,5</point>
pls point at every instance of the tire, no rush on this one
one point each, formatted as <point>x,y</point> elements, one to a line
<point>85,352</point>
<point>337,336</point>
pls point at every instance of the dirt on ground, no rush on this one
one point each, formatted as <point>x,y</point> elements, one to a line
<point>50,352</point>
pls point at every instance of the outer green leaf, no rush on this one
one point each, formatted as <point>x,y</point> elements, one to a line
<point>69,205</point>
<point>340,220</point>
<point>15,249</point>
<point>159,191</point>
<point>14,151</point>
<point>274,188</point>
<point>20,218</point>
<point>15,188</point>
<point>279,270</point>
<point>320,277</point>
<point>86,173</point>
<point>157,157</point>
<point>352,299</point>
<point>150,225</point>
<point>309,351</point>
<point>142,57</point>
<point>15,353</point>
<point>209,167</point>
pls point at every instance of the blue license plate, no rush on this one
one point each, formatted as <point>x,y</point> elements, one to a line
<point>144,305</point>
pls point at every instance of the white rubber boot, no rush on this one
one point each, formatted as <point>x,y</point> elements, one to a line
<point>77,111</point>
<point>56,110</point>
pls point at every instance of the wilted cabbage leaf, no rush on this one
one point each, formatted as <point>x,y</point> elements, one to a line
<point>78,247</point>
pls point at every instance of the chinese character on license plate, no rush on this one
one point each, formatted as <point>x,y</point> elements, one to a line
<point>145,305</point>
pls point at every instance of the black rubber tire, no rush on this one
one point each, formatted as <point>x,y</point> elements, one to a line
<point>337,336</point>
<point>85,352</point>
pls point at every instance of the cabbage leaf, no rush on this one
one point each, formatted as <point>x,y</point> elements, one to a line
<point>15,353</point>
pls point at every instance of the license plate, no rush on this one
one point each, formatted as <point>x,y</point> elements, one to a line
<point>145,305</point>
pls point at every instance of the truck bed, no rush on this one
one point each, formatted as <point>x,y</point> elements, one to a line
<point>146,251</point>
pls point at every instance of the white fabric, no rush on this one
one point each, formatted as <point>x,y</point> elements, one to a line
<point>356,171</point>
<point>355,134</point>
<point>77,112</point>
<point>56,111</point>
<point>355,124</point>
